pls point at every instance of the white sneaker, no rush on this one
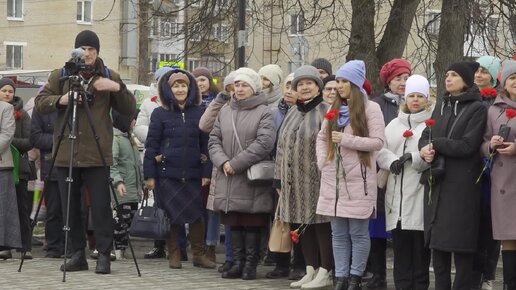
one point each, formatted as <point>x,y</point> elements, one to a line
<point>309,276</point>
<point>487,285</point>
<point>120,254</point>
<point>323,279</point>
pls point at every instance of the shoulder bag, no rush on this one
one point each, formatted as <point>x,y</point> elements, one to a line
<point>279,238</point>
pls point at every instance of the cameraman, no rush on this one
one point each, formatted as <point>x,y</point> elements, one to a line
<point>105,91</point>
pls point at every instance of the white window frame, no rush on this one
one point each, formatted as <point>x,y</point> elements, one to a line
<point>83,5</point>
<point>196,33</point>
<point>166,29</point>
<point>11,15</point>
<point>155,27</point>
<point>297,25</point>
<point>9,44</point>
<point>433,29</point>
<point>193,63</point>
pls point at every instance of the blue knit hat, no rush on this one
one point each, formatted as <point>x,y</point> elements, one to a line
<point>492,64</point>
<point>353,71</point>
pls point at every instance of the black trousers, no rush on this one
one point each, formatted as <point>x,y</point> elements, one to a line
<point>54,221</point>
<point>96,180</point>
<point>316,245</point>
<point>442,270</point>
<point>377,262</point>
<point>411,260</point>
<point>24,208</point>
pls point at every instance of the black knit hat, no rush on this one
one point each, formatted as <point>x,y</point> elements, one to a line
<point>466,70</point>
<point>87,38</point>
<point>7,81</point>
<point>324,64</point>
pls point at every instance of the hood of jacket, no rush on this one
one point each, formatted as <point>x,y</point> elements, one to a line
<point>252,102</point>
<point>17,103</point>
<point>167,98</point>
<point>470,95</point>
<point>504,102</point>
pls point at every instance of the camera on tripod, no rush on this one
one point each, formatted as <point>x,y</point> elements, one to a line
<point>72,71</point>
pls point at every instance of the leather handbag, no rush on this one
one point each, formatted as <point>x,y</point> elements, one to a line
<point>150,222</point>
<point>261,171</point>
<point>279,238</point>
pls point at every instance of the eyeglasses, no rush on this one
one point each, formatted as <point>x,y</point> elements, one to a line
<point>329,89</point>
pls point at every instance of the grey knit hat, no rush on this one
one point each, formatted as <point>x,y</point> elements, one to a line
<point>508,68</point>
<point>322,63</point>
<point>307,72</point>
<point>7,81</point>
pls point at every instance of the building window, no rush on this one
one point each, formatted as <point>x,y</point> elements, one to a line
<point>433,21</point>
<point>221,33</point>
<point>14,9</point>
<point>195,33</point>
<point>166,28</point>
<point>492,25</point>
<point>84,11</point>
<point>297,24</point>
<point>14,56</point>
<point>167,57</point>
<point>155,26</point>
<point>193,64</point>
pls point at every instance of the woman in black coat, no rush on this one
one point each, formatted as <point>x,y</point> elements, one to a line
<point>452,200</point>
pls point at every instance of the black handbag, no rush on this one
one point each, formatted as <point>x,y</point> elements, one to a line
<point>150,221</point>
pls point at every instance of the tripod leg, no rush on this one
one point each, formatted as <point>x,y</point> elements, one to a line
<point>110,180</point>
<point>47,178</point>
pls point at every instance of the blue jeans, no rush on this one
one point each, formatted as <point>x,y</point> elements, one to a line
<point>212,228</point>
<point>351,243</point>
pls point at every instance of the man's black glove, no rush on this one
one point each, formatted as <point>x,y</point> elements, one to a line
<point>397,165</point>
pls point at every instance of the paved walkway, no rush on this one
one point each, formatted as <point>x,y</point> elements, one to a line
<point>42,273</point>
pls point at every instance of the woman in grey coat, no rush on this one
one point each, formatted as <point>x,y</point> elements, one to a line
<point>9,222</point>
<point>243,135</point>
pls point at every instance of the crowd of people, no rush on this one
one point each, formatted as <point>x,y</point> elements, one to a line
<point>352,170</point>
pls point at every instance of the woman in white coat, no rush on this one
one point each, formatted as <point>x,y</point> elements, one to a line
<point>404,198</point>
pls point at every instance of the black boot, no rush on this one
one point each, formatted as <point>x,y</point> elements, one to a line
<point>237,248</point>
<point>155,253</point>
<point>77,262</point>
<point>103,264</point>
<point>340,283</point>
<point>252,254</point>
<point>509,270</point>
<point>377,282</point>
<point>355,282</point>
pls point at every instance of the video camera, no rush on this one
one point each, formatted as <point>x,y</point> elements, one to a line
<point>76,63</point>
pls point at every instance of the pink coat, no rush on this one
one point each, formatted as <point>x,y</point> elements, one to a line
<point>352,200</point>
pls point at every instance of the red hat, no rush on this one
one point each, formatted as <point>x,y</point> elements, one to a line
<point>394,68</point>
<point>367,87</point>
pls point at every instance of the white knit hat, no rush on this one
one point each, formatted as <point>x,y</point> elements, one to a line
<point>417,84</point>
<point>289,78</point>
<point>273,73</point>
<point>249,76</point>
<point>230,78</point>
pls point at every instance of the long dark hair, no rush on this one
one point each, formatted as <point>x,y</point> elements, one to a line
<point>358,122</point>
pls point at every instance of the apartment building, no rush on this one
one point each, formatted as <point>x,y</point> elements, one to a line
<point>39,35</point>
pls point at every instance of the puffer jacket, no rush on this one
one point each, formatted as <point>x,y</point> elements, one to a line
<point>255,128</point>
<point>357,193</point>
<point>127,166</point>
<point>404,197</point>
<point>22,137</point>
<point>7,128</point>
<point>175,135</point>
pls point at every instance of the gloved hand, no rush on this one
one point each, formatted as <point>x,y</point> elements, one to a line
<point>397,165</point>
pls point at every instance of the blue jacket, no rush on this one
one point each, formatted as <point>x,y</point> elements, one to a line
<point>41,137</point>
<point>175,134</point>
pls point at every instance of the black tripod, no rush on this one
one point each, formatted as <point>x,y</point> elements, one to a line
<point>77,96</point>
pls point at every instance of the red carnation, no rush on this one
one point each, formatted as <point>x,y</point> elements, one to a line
<point>294,236</point>
<point>154,99</point>
<point>17,115</point>
<point>331,114</point>
<point>510,113</point>
<point>408,133</point>
<point>488,92</point>
<point>430,122</point>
